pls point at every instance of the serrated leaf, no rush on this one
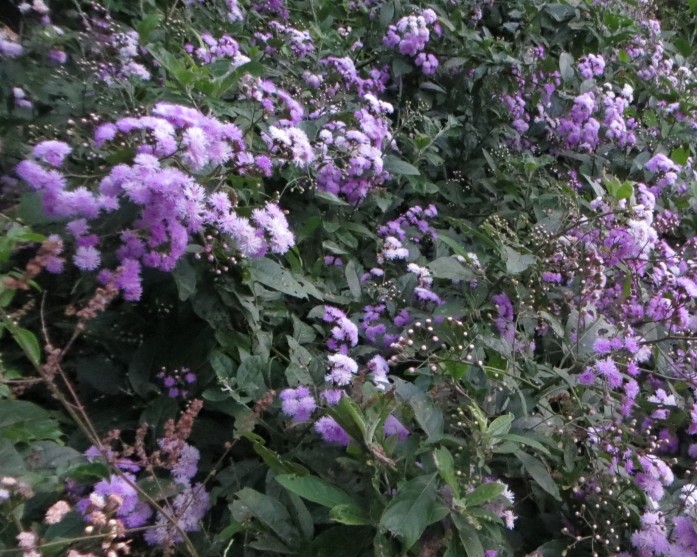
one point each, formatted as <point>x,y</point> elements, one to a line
<point>500,426</point>
<point>271,274</point>
<point>269,512</point>
<point>517,262</point>
<point>427,414</point>
<point>566,66</point>
<point>317,490</point>
<point>523,440</point>
<point>468,536</point>
<point>484,493</point>
<point>445,464</point>
<point>331,198</point>
<point>538,471</point>
<point>409,512</point>
<point>11,462</point>
<point>398,167</point>
<point>185,278</point>
<point>349,515</point>
<point>352,279</point>
<point>250,376</point>
<point>449,268</point>
<point>27,342</point>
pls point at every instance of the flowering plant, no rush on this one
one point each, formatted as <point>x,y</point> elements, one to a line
<point>359,278</point>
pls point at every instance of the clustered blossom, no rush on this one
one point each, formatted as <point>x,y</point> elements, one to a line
<point>591,66</point>
<point>9,48</point>
<point>177,382</point>
<point>626,281</point>
<point>289,144</point>
<point>410,35</point>
<point>212,49</point>
<point>172,204</point>
<point>116,50</point>
<point>300,42</point>
<point>298,403</point>
<point>189,506</point>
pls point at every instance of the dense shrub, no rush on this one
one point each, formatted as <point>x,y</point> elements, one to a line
<point>321,278</point>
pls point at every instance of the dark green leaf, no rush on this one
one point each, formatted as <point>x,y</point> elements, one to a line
<point>538,471</point>
<point>566,66</point>
<point>316,490</point>
<point>396,166</point>
<point>271,274</point>
<point>269,512</point>
<point>409,512</point>
<point>468,536</point>
<point>484,493</point>
<point>449,268</point>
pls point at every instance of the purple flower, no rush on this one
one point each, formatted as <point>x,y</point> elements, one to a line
<point>298,403</point>
<point>332,396</point>
<point>186,466</point>
<point>331,431</point>
<point>393,426</point>
<point>51,152</point>
<point>609,371</point>
<point>87,258</point>
<point>554,278</point>
<point>342,369</point>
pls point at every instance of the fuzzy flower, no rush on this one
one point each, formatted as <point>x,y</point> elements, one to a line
<point>51,152</point>
<point>392,249</point>
<point>342,369</point>
<point>331,431</point>
<point>379,368</point>
<point>393,427</point>
<point>56,512</point>
<point>297,403</point>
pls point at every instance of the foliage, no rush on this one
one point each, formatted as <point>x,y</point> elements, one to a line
<point>363,278</point>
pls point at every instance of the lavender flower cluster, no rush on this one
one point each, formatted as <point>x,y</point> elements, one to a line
<point>410,35</point>
<point>171,144</point>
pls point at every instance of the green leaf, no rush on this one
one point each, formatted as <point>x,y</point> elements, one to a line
<point>11,462</point>
<point>101,373</point>
<point>680,155</point>
<point>250,376</point>
<point>484,493</point>
<point>449,268</point>
<point>316,490</point>
<point>268,511</point>
<point>353,280</point>
<point>396,166</point>
<point>468,536</point>
<point>298,371</point>
<point>538,471</point>
<point>427,414</point>
<point>331,198</point>
<point>23,421</point>
<point>349,515</point>
<point>275,462</point>
<point>523,440</point>
<point>445,464</point>
<point>302,332</point>
<point>386,13</point>
<point>566,66</point>
<point>185,278</point>
<point>271,274</point>
<point>27,342</point>
<point>500,426</point>
<point>619,190</point>
<point>517,262</point>
<point>409,512</point>
<point>400,67</point>
<point>148,24</point>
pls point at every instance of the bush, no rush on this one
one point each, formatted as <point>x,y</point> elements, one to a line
<point>319,278</point>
